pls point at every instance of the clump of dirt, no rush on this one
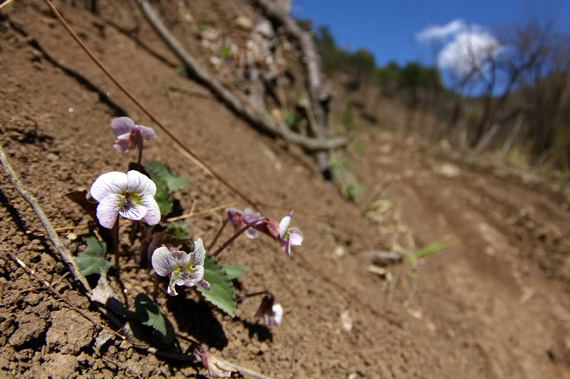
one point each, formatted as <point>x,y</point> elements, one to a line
<point>495,304</point>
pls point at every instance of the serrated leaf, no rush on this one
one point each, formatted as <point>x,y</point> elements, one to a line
<point>235,271</point>
<point>93,258</point>
<point>149,314</point>
<point>173,182</point>
<point>221,292</point>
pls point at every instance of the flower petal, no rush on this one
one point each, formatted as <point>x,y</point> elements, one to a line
<point>140,183</point>
<point>204,284</point>
<point>172,284</point>
<point>108,210</point>
<point>191,279</point>
<point>295,237</point>
<point>132,210</point>
<point>122,125</point>
<point>236,218</point>
<point>251,233</point>
<point>163,262</point>
<point>199,253</point>
<point>153,215</point>
<point>182,258</point>
<point>277,313</point>
<point>113,182</point>
<point>147,132</point>
<point>285,246</point>
<point>284,225</point>
<point>121,146</point>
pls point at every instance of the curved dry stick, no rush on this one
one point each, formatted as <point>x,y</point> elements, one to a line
<point>266,123</point>
<point>52,234</point>
<point>312,65</point>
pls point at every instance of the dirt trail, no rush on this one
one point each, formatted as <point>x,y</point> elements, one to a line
<point>499,279</point>
<point>494,305</point>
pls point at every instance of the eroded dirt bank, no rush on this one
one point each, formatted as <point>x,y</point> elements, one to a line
<point>494,305</point>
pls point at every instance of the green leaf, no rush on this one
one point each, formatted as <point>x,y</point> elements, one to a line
<point>235,271</point>
<point>93,258</point>
<point>162,195</point>
<point>178,229</point>
<point>221,293</point>
<point>437,245</point>
<point>149,314</point>
<point>173,182</point>
<point>290,118</point>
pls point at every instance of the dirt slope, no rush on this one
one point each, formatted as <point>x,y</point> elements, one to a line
<point>494,305</point>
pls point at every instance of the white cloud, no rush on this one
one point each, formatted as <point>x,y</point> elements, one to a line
<point>469,49</point>
<point>441,32</point>
<point>464,46</point>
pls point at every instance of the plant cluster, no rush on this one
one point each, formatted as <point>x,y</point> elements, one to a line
<point>144,195</point>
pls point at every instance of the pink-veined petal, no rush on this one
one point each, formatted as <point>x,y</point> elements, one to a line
<point>199,253</point>
<point>153,215</point>
<point>132,210</point>
<point>163,262</point>
<point>191,279</point>
<point>182,258</point>
<point>113,182</point>
<point>295,237</point>
<point>108,210</point>
<point>122,125</point>
<point>147,132</point>
<point>140,183</point>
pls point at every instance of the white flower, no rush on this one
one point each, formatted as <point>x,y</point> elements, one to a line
<point>289,236</point>
<point>184,269</point>
<point>272,313</point>
<point>130,195</point>
<point>277,315</point>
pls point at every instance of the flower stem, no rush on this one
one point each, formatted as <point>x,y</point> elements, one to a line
<point>141,143</point>
<point>232,238</point>
<point>115,232</point>
<point>218,235</point>
<point>248,295</point>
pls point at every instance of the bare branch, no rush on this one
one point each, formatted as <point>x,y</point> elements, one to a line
<point>265,123</point>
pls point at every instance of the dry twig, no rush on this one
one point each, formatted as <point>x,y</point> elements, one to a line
<point>266,123</point>
<point>52,234</point>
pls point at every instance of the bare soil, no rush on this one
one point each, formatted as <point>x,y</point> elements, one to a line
<point>496,304</point>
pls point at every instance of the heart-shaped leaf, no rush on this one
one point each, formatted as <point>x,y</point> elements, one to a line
<point>173,182</point>
<point>93,258</point>
<point>149,314</point>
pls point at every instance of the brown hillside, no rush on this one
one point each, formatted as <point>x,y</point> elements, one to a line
<point>495,304</point>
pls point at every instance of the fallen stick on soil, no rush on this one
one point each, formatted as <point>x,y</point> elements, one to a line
<point>52,234</point>
<point>195,214</point>
<point>65,255</point>
<point>266,123</point>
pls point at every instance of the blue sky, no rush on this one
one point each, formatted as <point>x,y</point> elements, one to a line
<point>389,29</point>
